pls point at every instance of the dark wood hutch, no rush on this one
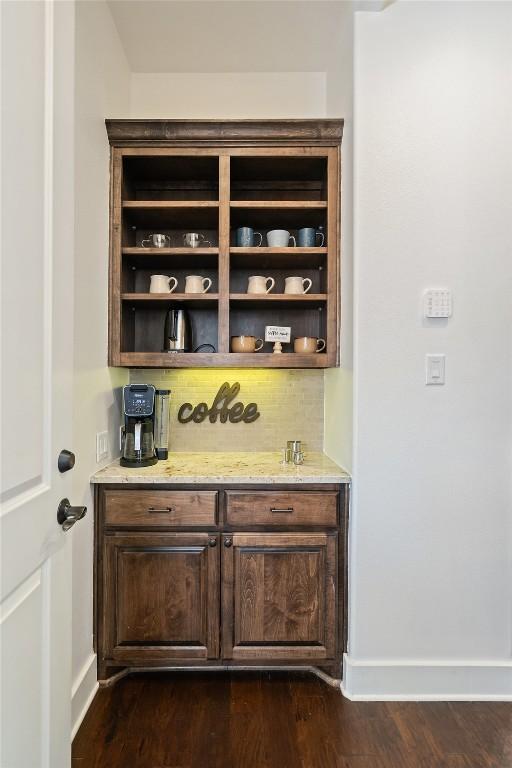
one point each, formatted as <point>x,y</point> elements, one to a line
<point>221,575</point>
<point>174,176</point>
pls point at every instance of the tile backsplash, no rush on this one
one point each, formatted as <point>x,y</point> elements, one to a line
<point>290,403</point>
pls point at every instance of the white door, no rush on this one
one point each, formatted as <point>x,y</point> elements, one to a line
<point>37,70</point>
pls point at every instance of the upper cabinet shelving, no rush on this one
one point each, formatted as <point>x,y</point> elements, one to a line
<point>170,178</point>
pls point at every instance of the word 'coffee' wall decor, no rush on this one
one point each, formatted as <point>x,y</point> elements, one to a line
<point>220,408</point>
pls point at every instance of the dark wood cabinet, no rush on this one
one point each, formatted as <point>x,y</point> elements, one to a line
<point>279,596</point>
<point>262,584</point>
<point>170,177</point>
<point>160,596</point>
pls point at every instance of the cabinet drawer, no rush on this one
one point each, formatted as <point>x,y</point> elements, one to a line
<point>286,508</point>
<point>156,509</point>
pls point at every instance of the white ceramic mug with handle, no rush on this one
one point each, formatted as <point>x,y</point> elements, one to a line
<point>197,284</point>
<point>279,238</point>
<point>162,284</point>
<point>260,284</point>
<point>297,284</point>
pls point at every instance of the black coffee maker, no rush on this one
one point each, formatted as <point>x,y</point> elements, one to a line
<point>139,426</point>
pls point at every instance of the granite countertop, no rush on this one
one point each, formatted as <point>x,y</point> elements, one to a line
<point>249,467</point>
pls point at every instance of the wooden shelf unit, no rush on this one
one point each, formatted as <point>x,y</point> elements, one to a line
<point>211,177</point>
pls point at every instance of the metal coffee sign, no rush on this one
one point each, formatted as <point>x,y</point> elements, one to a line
<point>223,408</point>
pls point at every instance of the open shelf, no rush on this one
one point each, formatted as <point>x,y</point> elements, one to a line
<point>163,215</point>
<point>278,258</point>
<point>279,177</point>
<point>289,205</point>
<point>169,298</point>
<point>305,318</point>
<point>170,177</point>
<point>212,189</point>
<point>159,205</point>
<point>171,258</point>
<point>222,360</point>
<point>143,322</point>
<point>170,251</point>
<point>267,217</point>
<point>282,298</point>
<point>136,277</point>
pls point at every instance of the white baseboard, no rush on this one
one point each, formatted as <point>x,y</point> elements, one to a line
<point>83,692</point>
<point>427,680</point>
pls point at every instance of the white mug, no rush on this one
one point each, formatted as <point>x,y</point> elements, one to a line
<point>197,284</point>
<point>162,284</point>
<point>279,238</point>
<point>296,284</point>
<point>258,284</point>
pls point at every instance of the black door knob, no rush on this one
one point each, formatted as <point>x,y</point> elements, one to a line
<point>212,541</point>
<point>228,541</point>
<point>67,515</point>
<point>66,460</point>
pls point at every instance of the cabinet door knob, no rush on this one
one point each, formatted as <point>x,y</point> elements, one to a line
<point>228,541</point>
<point>212,541</point>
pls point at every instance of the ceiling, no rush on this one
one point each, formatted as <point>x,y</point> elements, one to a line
<point>231,35</point>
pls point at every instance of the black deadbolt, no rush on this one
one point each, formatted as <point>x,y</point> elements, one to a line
<point>66,460</point>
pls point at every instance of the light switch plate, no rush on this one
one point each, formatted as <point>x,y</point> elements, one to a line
<point>435,369</point>
<point>101,446</point>
<point>438,303</point>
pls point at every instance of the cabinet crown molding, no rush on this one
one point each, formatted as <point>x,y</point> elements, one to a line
<point>316,132</point>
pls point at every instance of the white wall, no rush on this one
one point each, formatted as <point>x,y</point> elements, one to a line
<point>102,90</point>
<point>338,382</point>
<point>430,570</point>
<point>225,95</point>
<point>263,95</point>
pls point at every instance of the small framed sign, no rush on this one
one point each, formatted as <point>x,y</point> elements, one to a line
<point>277,333</point>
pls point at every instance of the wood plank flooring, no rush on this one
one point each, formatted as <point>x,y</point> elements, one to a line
<point>281,720</point>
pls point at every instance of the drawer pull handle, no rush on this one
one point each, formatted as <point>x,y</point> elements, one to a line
<point>164,510</point>
<point>285,510</point>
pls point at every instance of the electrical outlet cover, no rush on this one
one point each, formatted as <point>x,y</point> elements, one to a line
<point>101,446</point>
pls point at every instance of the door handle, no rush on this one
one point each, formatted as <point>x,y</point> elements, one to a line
<point>67,515</point>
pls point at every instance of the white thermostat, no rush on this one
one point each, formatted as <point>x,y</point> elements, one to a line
<point>437,302</point>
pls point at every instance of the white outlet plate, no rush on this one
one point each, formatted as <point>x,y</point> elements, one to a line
<point>435,369</point>
<point>101,446</point>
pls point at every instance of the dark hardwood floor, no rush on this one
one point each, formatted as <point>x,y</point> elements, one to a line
<point>281,720</point>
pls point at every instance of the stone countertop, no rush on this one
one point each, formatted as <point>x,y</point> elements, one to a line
<point>226,468</point>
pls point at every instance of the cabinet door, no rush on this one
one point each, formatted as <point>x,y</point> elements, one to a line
<point>279,596</point>
<point>160,596</point>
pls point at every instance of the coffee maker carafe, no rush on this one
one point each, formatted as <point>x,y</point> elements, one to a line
<point>139,426</point>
